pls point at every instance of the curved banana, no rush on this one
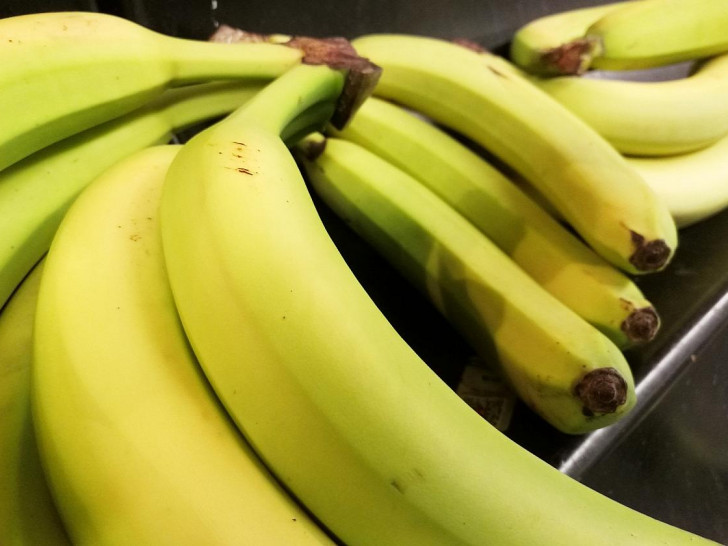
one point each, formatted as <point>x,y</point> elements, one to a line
<point>335,402</point>
<point>137,447</point>
<point>36,192</point>
<point>567,372</point>
<point>64,72</point>
<point>694,186</point>
<point>28,514</point>
<point>584,177</point>
<point>556,43</point>
<point>649,118</point>
<point>547,251</point>
<point>651,33</point>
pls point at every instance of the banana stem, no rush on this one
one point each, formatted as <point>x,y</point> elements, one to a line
<point>331,71</point>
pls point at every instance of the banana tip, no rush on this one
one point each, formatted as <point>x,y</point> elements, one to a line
<point>641,325</point>
<point>601,391</point>
<point>649,255</point>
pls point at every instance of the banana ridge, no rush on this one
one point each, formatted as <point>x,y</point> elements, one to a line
<point>649,118</point>
<point>50,59</point>
<point>560,262</point>
<point>569,373</point>
<point>123,411</point>
<point>28,514</point>
<point>36,192</point>
<point>582,175</point>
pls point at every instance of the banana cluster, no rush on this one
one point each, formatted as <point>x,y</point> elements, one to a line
<point>187,358</point>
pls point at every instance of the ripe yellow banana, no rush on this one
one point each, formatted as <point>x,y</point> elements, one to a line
<point>649,118</point>
<point>28,515</point>
<point>583,176</point>
<point>335,402</point>
<point>556,43</point>
<point>63,72</point>
<point>567,371</point>
<point>547,251</point>
<point>138,448</point>
<point>651,33</point>
<point>694,186</point>
<point>36,192</point>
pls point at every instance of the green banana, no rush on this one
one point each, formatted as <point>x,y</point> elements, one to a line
<point>568,372</point>
<point>694,186</point>
<point>651,33</point>
<point>482,97</point>
<point>137,447</point>
<point>64,72</point>
<point>340,408</point>
<point>649,118</point>
<point>36,192</point>
<point>551,254</point>
<point>556,43</point>
<point>28,514</point>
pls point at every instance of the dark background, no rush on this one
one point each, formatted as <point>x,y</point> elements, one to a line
<point>669,457</point>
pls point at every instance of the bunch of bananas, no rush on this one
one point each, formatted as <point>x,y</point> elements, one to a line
<point>185,356</point>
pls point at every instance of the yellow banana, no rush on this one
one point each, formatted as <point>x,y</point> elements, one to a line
<point>649,118</point>
<point>63,72</point>
<point>137,447</point>
<point>336,404</point>
<point>583,176</point>
<point>556,43</point>
<point>547,251</point>
<point>28,515</point>
<point>36,192</point>
<point>694,186</point>
<point>651,33</point>
<point>567,371</point>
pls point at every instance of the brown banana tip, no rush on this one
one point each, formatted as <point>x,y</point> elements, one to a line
<point>649,255</point>
<point>641,325</point>
<point>601,391</point>
<point>571,58</point>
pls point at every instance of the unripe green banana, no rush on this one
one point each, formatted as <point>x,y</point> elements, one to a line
<point>551,254</point>
<point>36,192</point>
<point>649,118</point>
<point>566,371</point>
<point>63,72</point>
<point>556,43</point>
<point>694,186</point>
<point>137,447</point>
<point>651,33</point>
<point>338,406</point>
<point>28,515</point>
<point>483,97</point>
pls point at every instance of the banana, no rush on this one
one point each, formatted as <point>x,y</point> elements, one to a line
<point>694,186</point>
<point>340,408</point>
<point>138,448</point>
<point>556,43</point>
<point>651,33</point>
<point>551,254</point>
<point>36,192</point>
<point>64,72</point>
<point>568,372</point>
<point>650,118</point>
<point>28,515</point>
<point>482,97</point>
